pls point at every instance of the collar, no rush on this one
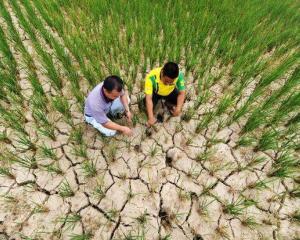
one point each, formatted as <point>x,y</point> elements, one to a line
<point>102,94</point>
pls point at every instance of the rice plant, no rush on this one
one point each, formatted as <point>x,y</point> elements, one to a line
<point>69,220</point>
<point>65,190</point>
<point>61,105</point>
<point>238,206</point>
<point>89,168</point>
<point>47,152</point>
<point>85,236</point>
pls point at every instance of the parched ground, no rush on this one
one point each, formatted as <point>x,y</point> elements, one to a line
<point>168,182</point>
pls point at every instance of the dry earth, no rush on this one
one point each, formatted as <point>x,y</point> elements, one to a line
<point>166,181</point>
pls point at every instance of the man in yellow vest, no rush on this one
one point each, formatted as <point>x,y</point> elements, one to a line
<point>164,83</point>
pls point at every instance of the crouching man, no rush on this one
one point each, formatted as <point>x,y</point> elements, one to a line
<point>164,83</point>
<point>108,98</point>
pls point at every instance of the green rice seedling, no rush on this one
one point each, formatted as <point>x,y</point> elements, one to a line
<point>13,120</point>
<point>65,190</point>
<point>215,167</point>
<point>39,208</point>
<point>295,217</point>
<point>167,237</point>
<point>269,140</point>
<point>224,104</point>
<point>237,207</point>
<point>204,156</point>
<point>77,135</point>
<point>25,142</point>
<point>113,213</point>
<point>6,172</point>
<point>293,120</point>
<point>26,162</point>
<point>153,151</point>
<point>202,207</point>
<point>283,172</point>
<point>193,172</point>
<point>245,141</point>
<point>254,161</point>
<point>80,150</point>
<point>188,114</point>
<point>40,116</point>
<point>47,152</point>
<point>53,168</point>
<point>4,137</point>
<point>292,103</point>
<point>249,222</point>
<point>143,218</point>
<point>285,163</point>
<point>261,184</point>
<point>47,131</point>
<point>98,192</point>
<point>222,231</point>
<point>62,106</point>
<point>85,236</point>
<point>204,122</point>
<point>69,220</point>
<point>89,168</point>
<point>36,85</point>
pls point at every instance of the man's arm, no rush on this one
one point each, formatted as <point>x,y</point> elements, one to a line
<point>117,127</point>
<point>180,101</point>
<point>149,107</point>
<point>124,100</point>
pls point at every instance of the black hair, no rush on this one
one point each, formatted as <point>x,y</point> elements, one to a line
<point>171,70</point>
<point>113,82</point>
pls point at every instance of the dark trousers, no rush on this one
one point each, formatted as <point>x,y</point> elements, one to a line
<point>170,99</point>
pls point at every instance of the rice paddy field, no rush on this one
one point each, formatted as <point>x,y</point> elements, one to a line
<point>227,168</point>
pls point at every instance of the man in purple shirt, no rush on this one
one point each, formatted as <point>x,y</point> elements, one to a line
<point>107,97</point>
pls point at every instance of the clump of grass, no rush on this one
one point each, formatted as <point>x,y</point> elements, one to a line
<point>70,220</point>
<point>245,141</point>
<point>77,135</point>
<point>89,168</point>
<point>61,105</point>
<point>153,151</point>
<point>5,171</point>
<point>85,236</point>
<point>188,114</point>
<point>25,142</point>
<point>47,152</point>
<point>53,168</point>
<point>237,207</point>
<point>80,150</point>
<point>65,190</point>
<point>143,218</point>
<point>269,140</point>
<point>250,222</point>
<point>285,166</point>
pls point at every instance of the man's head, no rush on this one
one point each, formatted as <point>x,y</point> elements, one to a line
<point>112,87</point>
<point>169,72</point>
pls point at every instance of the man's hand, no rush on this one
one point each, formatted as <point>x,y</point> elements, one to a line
<point>127,131</point>
<point>176,111</point>
<point>151,121</point>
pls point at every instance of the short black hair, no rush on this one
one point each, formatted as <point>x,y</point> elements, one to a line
<point>113,82</point>
<point>171,70</point>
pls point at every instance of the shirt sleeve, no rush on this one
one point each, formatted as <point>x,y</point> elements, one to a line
<point>100,116</point>
<point>180,84</point>
<point>148,85</point>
